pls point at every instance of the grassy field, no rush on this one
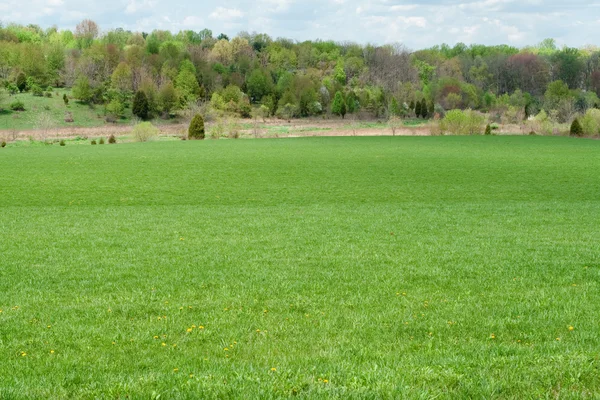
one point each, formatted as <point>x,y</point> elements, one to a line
<point>83,115</point>
<point>414,267</point>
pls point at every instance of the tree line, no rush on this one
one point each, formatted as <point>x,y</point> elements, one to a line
<point>167,71</point>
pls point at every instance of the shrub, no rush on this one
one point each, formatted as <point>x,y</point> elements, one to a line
<point>590,122</point>
<point>66,99</point>
<point>3,144</point>
<point>141,106</point>
<point>144,131</point>
<point>488,129</point>
<point>114,110</point>
<point>101,141</point>
<point>48,95</point>
<point>69,117</point>
<point>395,123</point>
<point>576,129</point>
<point>62,143</point>
<point>112,139</point>
<point>196,129</point>
<point>93,142</point>
<point>17,105</point>
<point>457,122</point>
<point>21,82</point>
<point>36,90</point>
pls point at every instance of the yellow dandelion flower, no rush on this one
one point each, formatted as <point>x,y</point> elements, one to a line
<point>200,327</point>
<point>273,369</point>
<point>325,381</point>
<point>51,351</point>
<point>163,344</point>
<point>571,328</point>
<point>49,326</point>
<point>226,349</point>
<point>258,330</point>
<point>174,344</point>
<point>175,370</point>
<point>188,330</point>
<point>155,337</point>
<point>23,354</point>
<point>558,339</point>
<point>191,375</point>
<point>193,326</point>
<point>492,336</point>
<point>180,308</point>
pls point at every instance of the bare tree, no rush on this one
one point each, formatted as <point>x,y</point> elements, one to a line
<point>85,32</point>
<point>389,65</point>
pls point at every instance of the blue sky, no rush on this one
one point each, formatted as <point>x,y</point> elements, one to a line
<point>415,24</point>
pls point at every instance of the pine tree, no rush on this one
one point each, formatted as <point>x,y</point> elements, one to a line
<point>141,107</point>
<point>576,129</point>
<point>488,129</point>
<point>418,109</point>
<point>424,109</point>
<point>196,129</point>
<point>412,105</point>
<point>66,99</point>
<point>338,107</point>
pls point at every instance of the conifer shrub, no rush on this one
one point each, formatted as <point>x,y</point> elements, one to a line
<point>93,142</point>
<point>62,143</point>
<point>196,129</point>
<point>112,139</point>
<point>488,129</point>
<point>141,106</point>
<point>576,129</point>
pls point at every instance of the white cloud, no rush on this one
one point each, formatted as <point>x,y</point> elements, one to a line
<point>226,14</point>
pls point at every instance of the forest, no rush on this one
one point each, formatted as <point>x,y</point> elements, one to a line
<point>254,73</point>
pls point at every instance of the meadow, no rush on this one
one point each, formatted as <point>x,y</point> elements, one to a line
<point>349,267</point>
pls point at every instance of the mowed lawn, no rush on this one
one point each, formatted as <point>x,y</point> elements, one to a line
<point>352,268</point>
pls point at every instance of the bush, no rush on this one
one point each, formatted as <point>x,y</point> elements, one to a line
<point>576,129</point>
<point>112,139</point>
<point>62,143</point>
<point>3,144</point>
<point>93,142</point>
<point>17,105</point>
<point>196,129</point>
<point>590,122</point>
<point>144,131</point>
<point>488,129</point>
<point>141,106</point>
<point>36,90</point>
<point>66,99</point>
<point>69,117</point>
<point>457,122</point>
<point>101,141</point>
<point>48,95</point>
<point>114,110</point>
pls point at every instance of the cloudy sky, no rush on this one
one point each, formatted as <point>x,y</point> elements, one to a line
<point>416,24</point>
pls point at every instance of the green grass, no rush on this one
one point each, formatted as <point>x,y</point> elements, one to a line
<point>84,115</point>
<point>406,267</point>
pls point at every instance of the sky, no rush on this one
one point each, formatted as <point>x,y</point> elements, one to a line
<point>417,25</point>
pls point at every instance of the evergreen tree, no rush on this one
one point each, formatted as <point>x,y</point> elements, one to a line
<point>424,110</point>
<point>66,99</point>
<point>418,109</point>
<point>412,105</point>
<point>21,82</point>
<point>488,129</point>
<point>338,107</point>
<point>82,90</point>
<point>431,109</point>
<point>141,107</point>
<point>196,129</point>
<point>576,129</point>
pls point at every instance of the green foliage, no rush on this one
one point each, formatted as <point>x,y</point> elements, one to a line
<point>115,110</point>
<point>590,122</point>
<point>488,130</point>
<point>3,144</point>
<point>21,82</point>
<point>187,84</point>
<point>167,98</point>
<point>458,122</point>
<point>141,108</point>
<point>259,84</point>
<point>93,142</point>
<point>101,141</point>
<point>394,107</point>
<point>62,142</point>
<point>338,107</point>
<point>144,131</point>
<point>36,90</point>
<point>112,139</point>
<point>576,129</point>
<point>196,128</point>
<point>17,105</point>
<point>82,90</point>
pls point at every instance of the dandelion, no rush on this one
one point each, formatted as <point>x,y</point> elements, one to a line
<point>200,327</point>
<point>191,375</point>
<point>258,331</point>
<point>155,337</point>
<point>174,344</point>
<point>23,354</point>
<point>49,326</point>
<point>114,343</point>
<point>188,330</point>
<point>325,381</point>
<point>492,336</point>
<point>273,369</point>
<point>571,328</point>
<point>51,351</point>
<point>558,339</point>
<point>175,370</point>
<point>193,326</point>
<point>226,349</point>
<point>181,238</point>
<point>163,344</point>
<point>180,308</point>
